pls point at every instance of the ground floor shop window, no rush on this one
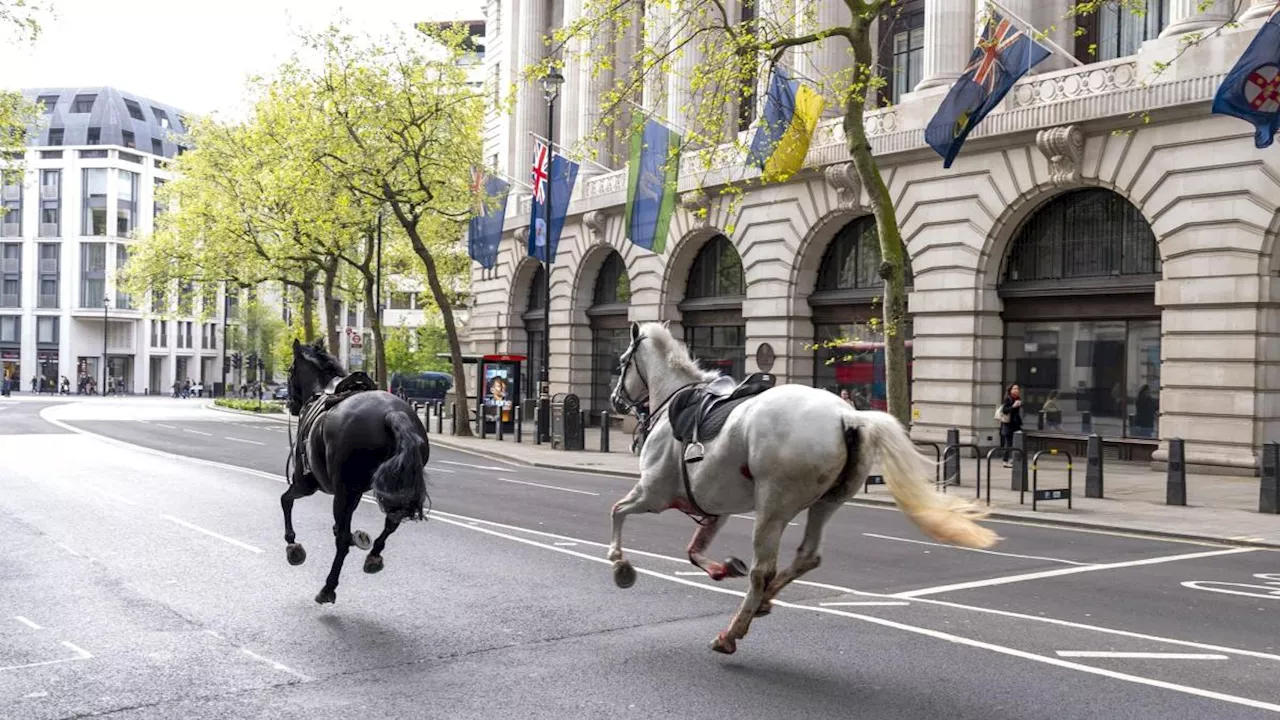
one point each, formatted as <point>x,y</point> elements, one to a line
<point>850,357</point>
<point>533,366</point>
<point>607,345</point>
<point>120,374</point>
<point>1087,376</point>
<point>10,371</point>
<point>722,348</point>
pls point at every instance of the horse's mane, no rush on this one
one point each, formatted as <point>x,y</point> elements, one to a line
<point>674,351</point>
<point>322,360</point>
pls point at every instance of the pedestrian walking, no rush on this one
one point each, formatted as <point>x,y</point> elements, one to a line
<point>1010,416</point>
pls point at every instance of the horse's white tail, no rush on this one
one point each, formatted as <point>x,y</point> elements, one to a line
<point>909,476</point>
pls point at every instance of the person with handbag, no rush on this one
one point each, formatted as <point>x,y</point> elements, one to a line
<point>1010,416</point>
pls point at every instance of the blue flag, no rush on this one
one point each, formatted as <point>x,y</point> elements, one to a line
<point>484,231</point>
<point>652,176</point>
<point>1003,55</point>
<point>1251,91</point>
<point>779,108</point>
<point>558,181</point>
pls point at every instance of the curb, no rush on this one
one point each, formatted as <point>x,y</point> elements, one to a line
<point>878,502</point>
<point>278,417</point>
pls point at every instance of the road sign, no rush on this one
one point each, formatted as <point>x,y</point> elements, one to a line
<point>357,358</point>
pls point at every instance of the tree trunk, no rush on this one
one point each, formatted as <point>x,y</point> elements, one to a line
<point>446,313</point>
<point>375,322</point>
<point>892,252</point>
<point>308,290</point>
<point>330,315</point>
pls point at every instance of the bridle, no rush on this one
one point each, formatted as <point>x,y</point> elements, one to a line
<point>628,359</point>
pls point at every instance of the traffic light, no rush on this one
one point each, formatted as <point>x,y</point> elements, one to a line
<point>235,360</point>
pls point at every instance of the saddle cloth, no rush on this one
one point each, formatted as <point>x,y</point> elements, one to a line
<point>705,409</point>
<point>339,389</point>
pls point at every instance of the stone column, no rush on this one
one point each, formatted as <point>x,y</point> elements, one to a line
<point>594,83</point>
<point>681,106</point>
<point>569,106</point>
<point>1259,9</point>
<point>531,106</point>
<point>948,40</point>
<point>1185,17</point>
<point>826,59</point>
<point>657,25</point>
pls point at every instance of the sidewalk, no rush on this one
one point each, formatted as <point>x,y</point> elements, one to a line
<point>1219,508</point>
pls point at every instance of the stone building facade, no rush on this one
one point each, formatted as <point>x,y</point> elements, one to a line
<point>1102,239</point>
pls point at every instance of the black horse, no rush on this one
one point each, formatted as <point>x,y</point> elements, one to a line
<point>352,438</point>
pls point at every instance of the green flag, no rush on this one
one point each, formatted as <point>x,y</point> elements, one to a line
<point>652,175</point>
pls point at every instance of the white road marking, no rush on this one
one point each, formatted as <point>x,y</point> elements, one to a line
<point>277,665</point>
<point>196,432</point>
<point>170,427</point>
<point>565,544</point>
<point>684,572</point>
<point>864,602</point>
<point>752,519</point>
<point>66,547</point>
<point>1066,571</point>
<point>80,655</point>
<point>27,622</point>
<point>242,440</point>
<point>479,467</point>
<point>1139,655</point>
<point>549,487</point>
<point>441,470</point>
<point>985,552</point>
<point>144,422</point>
<point>1270,590</point>
<point>213,534</point>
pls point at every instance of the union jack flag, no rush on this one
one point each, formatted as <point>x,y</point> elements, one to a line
<point>539,172</point>
<point>478,177</point>
<point>987,56</point>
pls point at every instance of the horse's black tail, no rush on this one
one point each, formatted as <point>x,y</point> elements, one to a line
<point>400,483</point>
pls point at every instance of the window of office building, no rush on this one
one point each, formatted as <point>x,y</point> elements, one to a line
<point>135,110</point>
<point>50,203</point>
<point>901,48</point>
<point>94,137</point>
<point>47,331</point>
<point>11,204</point>
<point>50,270</point>
<point>124,301</point>
<point>10,275</point>
<point>1117,30</point>
<point>93,274</point>
<point>55,136</point>
<point>95,202</point>
<point>126,202</point>
<point>83,103</point>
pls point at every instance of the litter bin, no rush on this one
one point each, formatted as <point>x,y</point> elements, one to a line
<point>566,422</point>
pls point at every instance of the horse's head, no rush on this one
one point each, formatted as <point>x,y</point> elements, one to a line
<point>310,372</point>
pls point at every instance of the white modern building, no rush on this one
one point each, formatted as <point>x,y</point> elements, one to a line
<point>1102,239</point>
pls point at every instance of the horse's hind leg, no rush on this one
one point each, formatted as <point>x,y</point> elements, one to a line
<point>807,557</point>
<point>623,574</point>
<point>300,488</point>
<point>768,535</point>
<point>730,568</point>
<point>344,505</point>
<point>373,561</point>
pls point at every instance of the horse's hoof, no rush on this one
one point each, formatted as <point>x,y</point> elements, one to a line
<point>624,576</point>
<point>765,608</point>
<point>326,596</point>
<point>360,539</point>
<point>735,568</point>
<point>295,554</point>
<point>724,645</point>
<point>372,564</point>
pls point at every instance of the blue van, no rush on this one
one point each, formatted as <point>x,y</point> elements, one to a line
<point>422,387</point>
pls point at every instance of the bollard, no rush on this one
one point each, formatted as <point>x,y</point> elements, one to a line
<point>1040,420</point>
<point>1018,476</point>
<point>453,419</point>
<point>1093,468</point>
<point>499,425</point>
<point>480,423</point>
<point>537,426</point>
<point>1269,494</point>
<point>1175,492</point>
<point>1086,422</point>
<point>604,431</point>
<point>519,423</point>
<point>584,422</point>
<point>951,457</point>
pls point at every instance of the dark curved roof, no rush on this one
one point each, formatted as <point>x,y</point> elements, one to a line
<point>114,112</point>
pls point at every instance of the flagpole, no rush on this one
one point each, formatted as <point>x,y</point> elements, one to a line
<point>646,111</point>
<point>1044,41</point>
<point>514,181</point>
<point>536,136</point>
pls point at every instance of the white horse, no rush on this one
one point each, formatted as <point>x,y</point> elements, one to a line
<point>785,450</point>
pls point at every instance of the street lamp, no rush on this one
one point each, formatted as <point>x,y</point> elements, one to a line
<point>106,305</point>
<point>551,83</point>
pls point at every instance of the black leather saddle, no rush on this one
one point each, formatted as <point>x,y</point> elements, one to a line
<point>698,414</point>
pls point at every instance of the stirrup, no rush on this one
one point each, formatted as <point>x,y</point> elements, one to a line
<point>693,453</point>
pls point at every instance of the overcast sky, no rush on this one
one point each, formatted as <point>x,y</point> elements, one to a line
<point>193,55</point>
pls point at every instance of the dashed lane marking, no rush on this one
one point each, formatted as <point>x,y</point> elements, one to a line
<point>985,552</point>
<point>548,487</point>
<point>1067,571</point>
<point>242,440</point>
<point>1139,655</point>
<point>752,519</point>
<point>868,603</point>
<point>509,468</point>
<point>273,663</point>
<point>27,622</point>
<point>169,427</point>
<point>81,654</point>
<point>197,432</point>
<point>213,534</point>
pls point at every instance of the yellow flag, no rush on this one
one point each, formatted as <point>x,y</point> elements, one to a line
<point>788,156</point>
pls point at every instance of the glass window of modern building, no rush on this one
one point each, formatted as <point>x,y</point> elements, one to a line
<point>95,202</point>
<point>126,202</point>
<point>11,275</point>
<point>93,274</point>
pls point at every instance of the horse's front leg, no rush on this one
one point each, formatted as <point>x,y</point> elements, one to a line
<point>624,575</point>
<point>344,505</point>
<point>767,537</point>
<point>300,488</point>
<point>730,568</point>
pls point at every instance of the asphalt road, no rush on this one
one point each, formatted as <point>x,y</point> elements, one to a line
<point>144,584</point>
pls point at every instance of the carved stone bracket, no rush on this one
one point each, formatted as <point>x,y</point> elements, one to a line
<point>697,204</point>
<point>522,236</point>
<point>596,222</point>
<point>1064,147</point>
<point>844,178</point>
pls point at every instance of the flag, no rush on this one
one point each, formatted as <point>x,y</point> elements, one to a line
<point>791,113</point>
<point>556,181</point>
<point>1004,54</point>
<point>651,183</point>
<point>1251,91</point>
<point>484,231</point>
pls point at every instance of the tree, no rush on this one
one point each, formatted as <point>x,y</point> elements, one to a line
<point>728,49</point>
<point>397,127</point>
<point>19,22</point>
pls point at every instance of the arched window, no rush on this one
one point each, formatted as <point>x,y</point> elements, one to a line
<point>535,324</point>
<point>1092,233</point>
<point>852,260</point>
<point>613,286</point>
<point>538,290</point>
<point>716,272</point>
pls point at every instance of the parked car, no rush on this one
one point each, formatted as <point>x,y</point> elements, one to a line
<point>281,392</point>
<point>422,387</point>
